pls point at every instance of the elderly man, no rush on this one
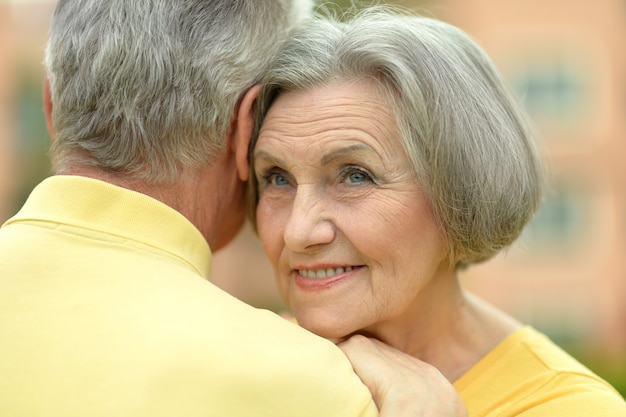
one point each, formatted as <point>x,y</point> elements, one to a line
<point>106,304</point>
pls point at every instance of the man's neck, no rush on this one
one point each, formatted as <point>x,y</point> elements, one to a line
<point>184,195</point>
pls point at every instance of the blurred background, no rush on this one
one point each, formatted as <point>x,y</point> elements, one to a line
<point>565,58</point>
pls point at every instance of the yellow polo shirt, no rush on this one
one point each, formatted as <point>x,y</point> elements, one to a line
<point>106,310</point>
<point>529,376</point>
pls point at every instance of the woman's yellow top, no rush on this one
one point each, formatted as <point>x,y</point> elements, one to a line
<point>527,375</point>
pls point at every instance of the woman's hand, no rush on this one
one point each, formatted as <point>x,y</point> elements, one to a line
<point>401,384</point>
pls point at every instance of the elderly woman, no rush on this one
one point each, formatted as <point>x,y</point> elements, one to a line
<point>390,154</point>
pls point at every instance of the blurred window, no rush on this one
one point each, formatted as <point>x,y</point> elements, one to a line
<point>551,89</point>
<point>560,221</point>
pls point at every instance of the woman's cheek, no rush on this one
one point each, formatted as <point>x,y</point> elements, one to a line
<point>268,232</point>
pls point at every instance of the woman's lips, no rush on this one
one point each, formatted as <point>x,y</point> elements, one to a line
<point>321,278</point>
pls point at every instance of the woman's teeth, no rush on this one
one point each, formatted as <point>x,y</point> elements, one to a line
<point>323,273</point>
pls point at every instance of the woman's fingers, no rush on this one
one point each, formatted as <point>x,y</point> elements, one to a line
<point>401,384</point>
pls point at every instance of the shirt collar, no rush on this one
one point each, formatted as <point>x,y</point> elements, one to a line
<point>104,207</point>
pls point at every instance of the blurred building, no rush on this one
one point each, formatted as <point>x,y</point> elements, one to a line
<point>566,59</point>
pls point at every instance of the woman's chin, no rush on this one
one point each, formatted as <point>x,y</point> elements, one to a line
<point>334,334</point>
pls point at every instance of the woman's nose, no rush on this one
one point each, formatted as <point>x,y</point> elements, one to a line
<point>309,225</point>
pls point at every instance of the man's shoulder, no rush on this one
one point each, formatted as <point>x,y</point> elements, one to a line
<point>234,353</point>
<point>194,312</point>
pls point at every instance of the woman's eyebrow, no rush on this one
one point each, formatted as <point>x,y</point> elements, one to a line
<point>326,159</point>
<point>267,157</point>
<point>339,153</point>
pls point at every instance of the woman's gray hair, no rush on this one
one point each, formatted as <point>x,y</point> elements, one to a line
<point>148,87</point>
<point>468,140</point>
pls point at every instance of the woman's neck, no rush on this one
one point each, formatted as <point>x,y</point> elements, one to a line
<point>447,327</point>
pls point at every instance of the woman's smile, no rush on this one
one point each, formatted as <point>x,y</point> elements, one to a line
<point>323,278</point>
<point>323,272</point>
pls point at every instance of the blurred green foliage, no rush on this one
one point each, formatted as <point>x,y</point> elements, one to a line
<point>605,367</point>
<point>32,137</point>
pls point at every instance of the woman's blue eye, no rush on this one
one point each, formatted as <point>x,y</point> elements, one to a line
<point>277,179</point>
<point>357,176</point>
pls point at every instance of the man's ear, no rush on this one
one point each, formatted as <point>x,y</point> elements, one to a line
<point>47,106</point>
<point>242,131</point>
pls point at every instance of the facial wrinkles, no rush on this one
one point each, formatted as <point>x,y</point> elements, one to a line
<point>300,133</point>
<point>317,115</point>
<point>348,118</point>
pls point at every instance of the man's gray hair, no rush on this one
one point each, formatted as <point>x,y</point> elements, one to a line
<point>148,87</point>
<point>468,140</point>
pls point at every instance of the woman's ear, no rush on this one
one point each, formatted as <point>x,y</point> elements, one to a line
<point>242,131</point>
<point>47,106</point>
